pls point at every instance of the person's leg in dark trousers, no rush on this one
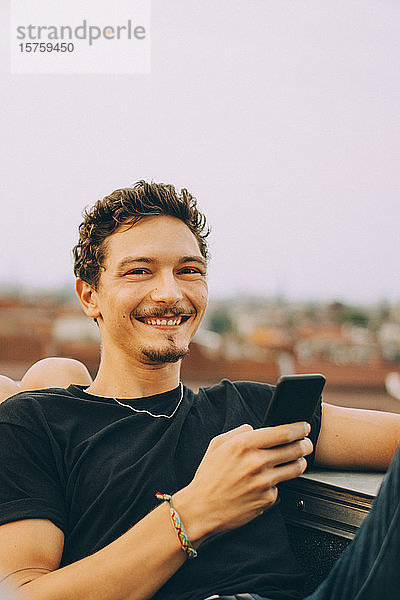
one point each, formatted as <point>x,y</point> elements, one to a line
<point>369,569</point>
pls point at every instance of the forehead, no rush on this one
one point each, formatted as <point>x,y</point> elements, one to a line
<point>159,237</point>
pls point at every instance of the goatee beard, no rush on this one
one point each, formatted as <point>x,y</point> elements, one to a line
<point>170,355</point>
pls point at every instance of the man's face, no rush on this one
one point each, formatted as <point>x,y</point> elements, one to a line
<point>152,294</point>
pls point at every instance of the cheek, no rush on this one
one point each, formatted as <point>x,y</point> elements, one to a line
<point>205,291</point>
<point>203,297</point>
<point>117,311</point>
<point>126,299</point>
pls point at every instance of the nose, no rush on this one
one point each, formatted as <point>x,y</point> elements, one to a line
<point>166,289</point>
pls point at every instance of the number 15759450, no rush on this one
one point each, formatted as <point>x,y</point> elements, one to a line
<point>46,47</point>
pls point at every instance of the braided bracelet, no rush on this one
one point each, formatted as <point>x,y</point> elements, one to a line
<point>178,526</point>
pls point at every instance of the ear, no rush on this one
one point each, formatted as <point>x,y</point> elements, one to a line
<point>88,298</point>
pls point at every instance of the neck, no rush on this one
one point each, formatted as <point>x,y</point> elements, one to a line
<point>133,379</point>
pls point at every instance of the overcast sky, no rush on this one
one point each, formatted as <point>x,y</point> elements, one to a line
<point>280,116</point>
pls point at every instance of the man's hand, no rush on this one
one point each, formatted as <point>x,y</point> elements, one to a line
<point>236,480</point>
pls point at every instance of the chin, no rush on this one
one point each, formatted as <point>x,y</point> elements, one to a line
<point>166,355</point>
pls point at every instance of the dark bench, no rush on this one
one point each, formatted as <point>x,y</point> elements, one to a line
<point>323,510</point>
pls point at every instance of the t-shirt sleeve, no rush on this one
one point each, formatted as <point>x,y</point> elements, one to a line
<point>30,485</point>
<point>259,395</point>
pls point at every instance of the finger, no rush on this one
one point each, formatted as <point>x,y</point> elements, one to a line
<point>269,437</point>
<point>286,472</point>
<point>289,453</point>
<point>269,498</point>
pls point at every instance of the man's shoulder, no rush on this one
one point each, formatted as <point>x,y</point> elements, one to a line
<point>244,388</point>
<point>34,402</point>
<point>252,396</point>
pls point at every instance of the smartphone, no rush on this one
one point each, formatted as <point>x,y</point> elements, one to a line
<point>295,399</point>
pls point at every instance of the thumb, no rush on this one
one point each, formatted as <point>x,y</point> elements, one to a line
<point>222,438</point>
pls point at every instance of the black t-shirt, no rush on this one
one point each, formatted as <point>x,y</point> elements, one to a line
<point>93,467</point>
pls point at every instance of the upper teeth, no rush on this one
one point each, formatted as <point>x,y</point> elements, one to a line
<point>168,322</point>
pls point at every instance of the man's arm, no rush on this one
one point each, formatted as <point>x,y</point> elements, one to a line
<point>357,439</point>
<point>134,566</point>
<point>235,482</point>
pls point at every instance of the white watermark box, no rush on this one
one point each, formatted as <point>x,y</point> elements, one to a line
<point>80,36</point>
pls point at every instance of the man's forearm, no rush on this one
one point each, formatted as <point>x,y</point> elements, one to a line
<point>357,439</point>
<point>132,567</point>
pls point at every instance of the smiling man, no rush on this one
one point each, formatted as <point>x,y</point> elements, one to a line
<point>83,470</point>
<point>149,301</point>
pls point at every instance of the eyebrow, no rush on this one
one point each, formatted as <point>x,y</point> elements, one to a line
<point>128,260</point>
<point>196,259</point>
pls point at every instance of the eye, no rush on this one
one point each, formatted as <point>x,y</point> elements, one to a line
<point>138,271</point>
<point>192,271</point>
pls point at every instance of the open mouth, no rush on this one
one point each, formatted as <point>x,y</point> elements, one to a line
<point>165,321</point>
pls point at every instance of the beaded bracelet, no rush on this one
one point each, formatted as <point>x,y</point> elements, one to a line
<point>178,526</point>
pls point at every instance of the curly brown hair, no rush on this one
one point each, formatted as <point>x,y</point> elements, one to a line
<point>128,206</point>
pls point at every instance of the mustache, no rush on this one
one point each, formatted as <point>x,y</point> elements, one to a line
<point>160,312</point>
